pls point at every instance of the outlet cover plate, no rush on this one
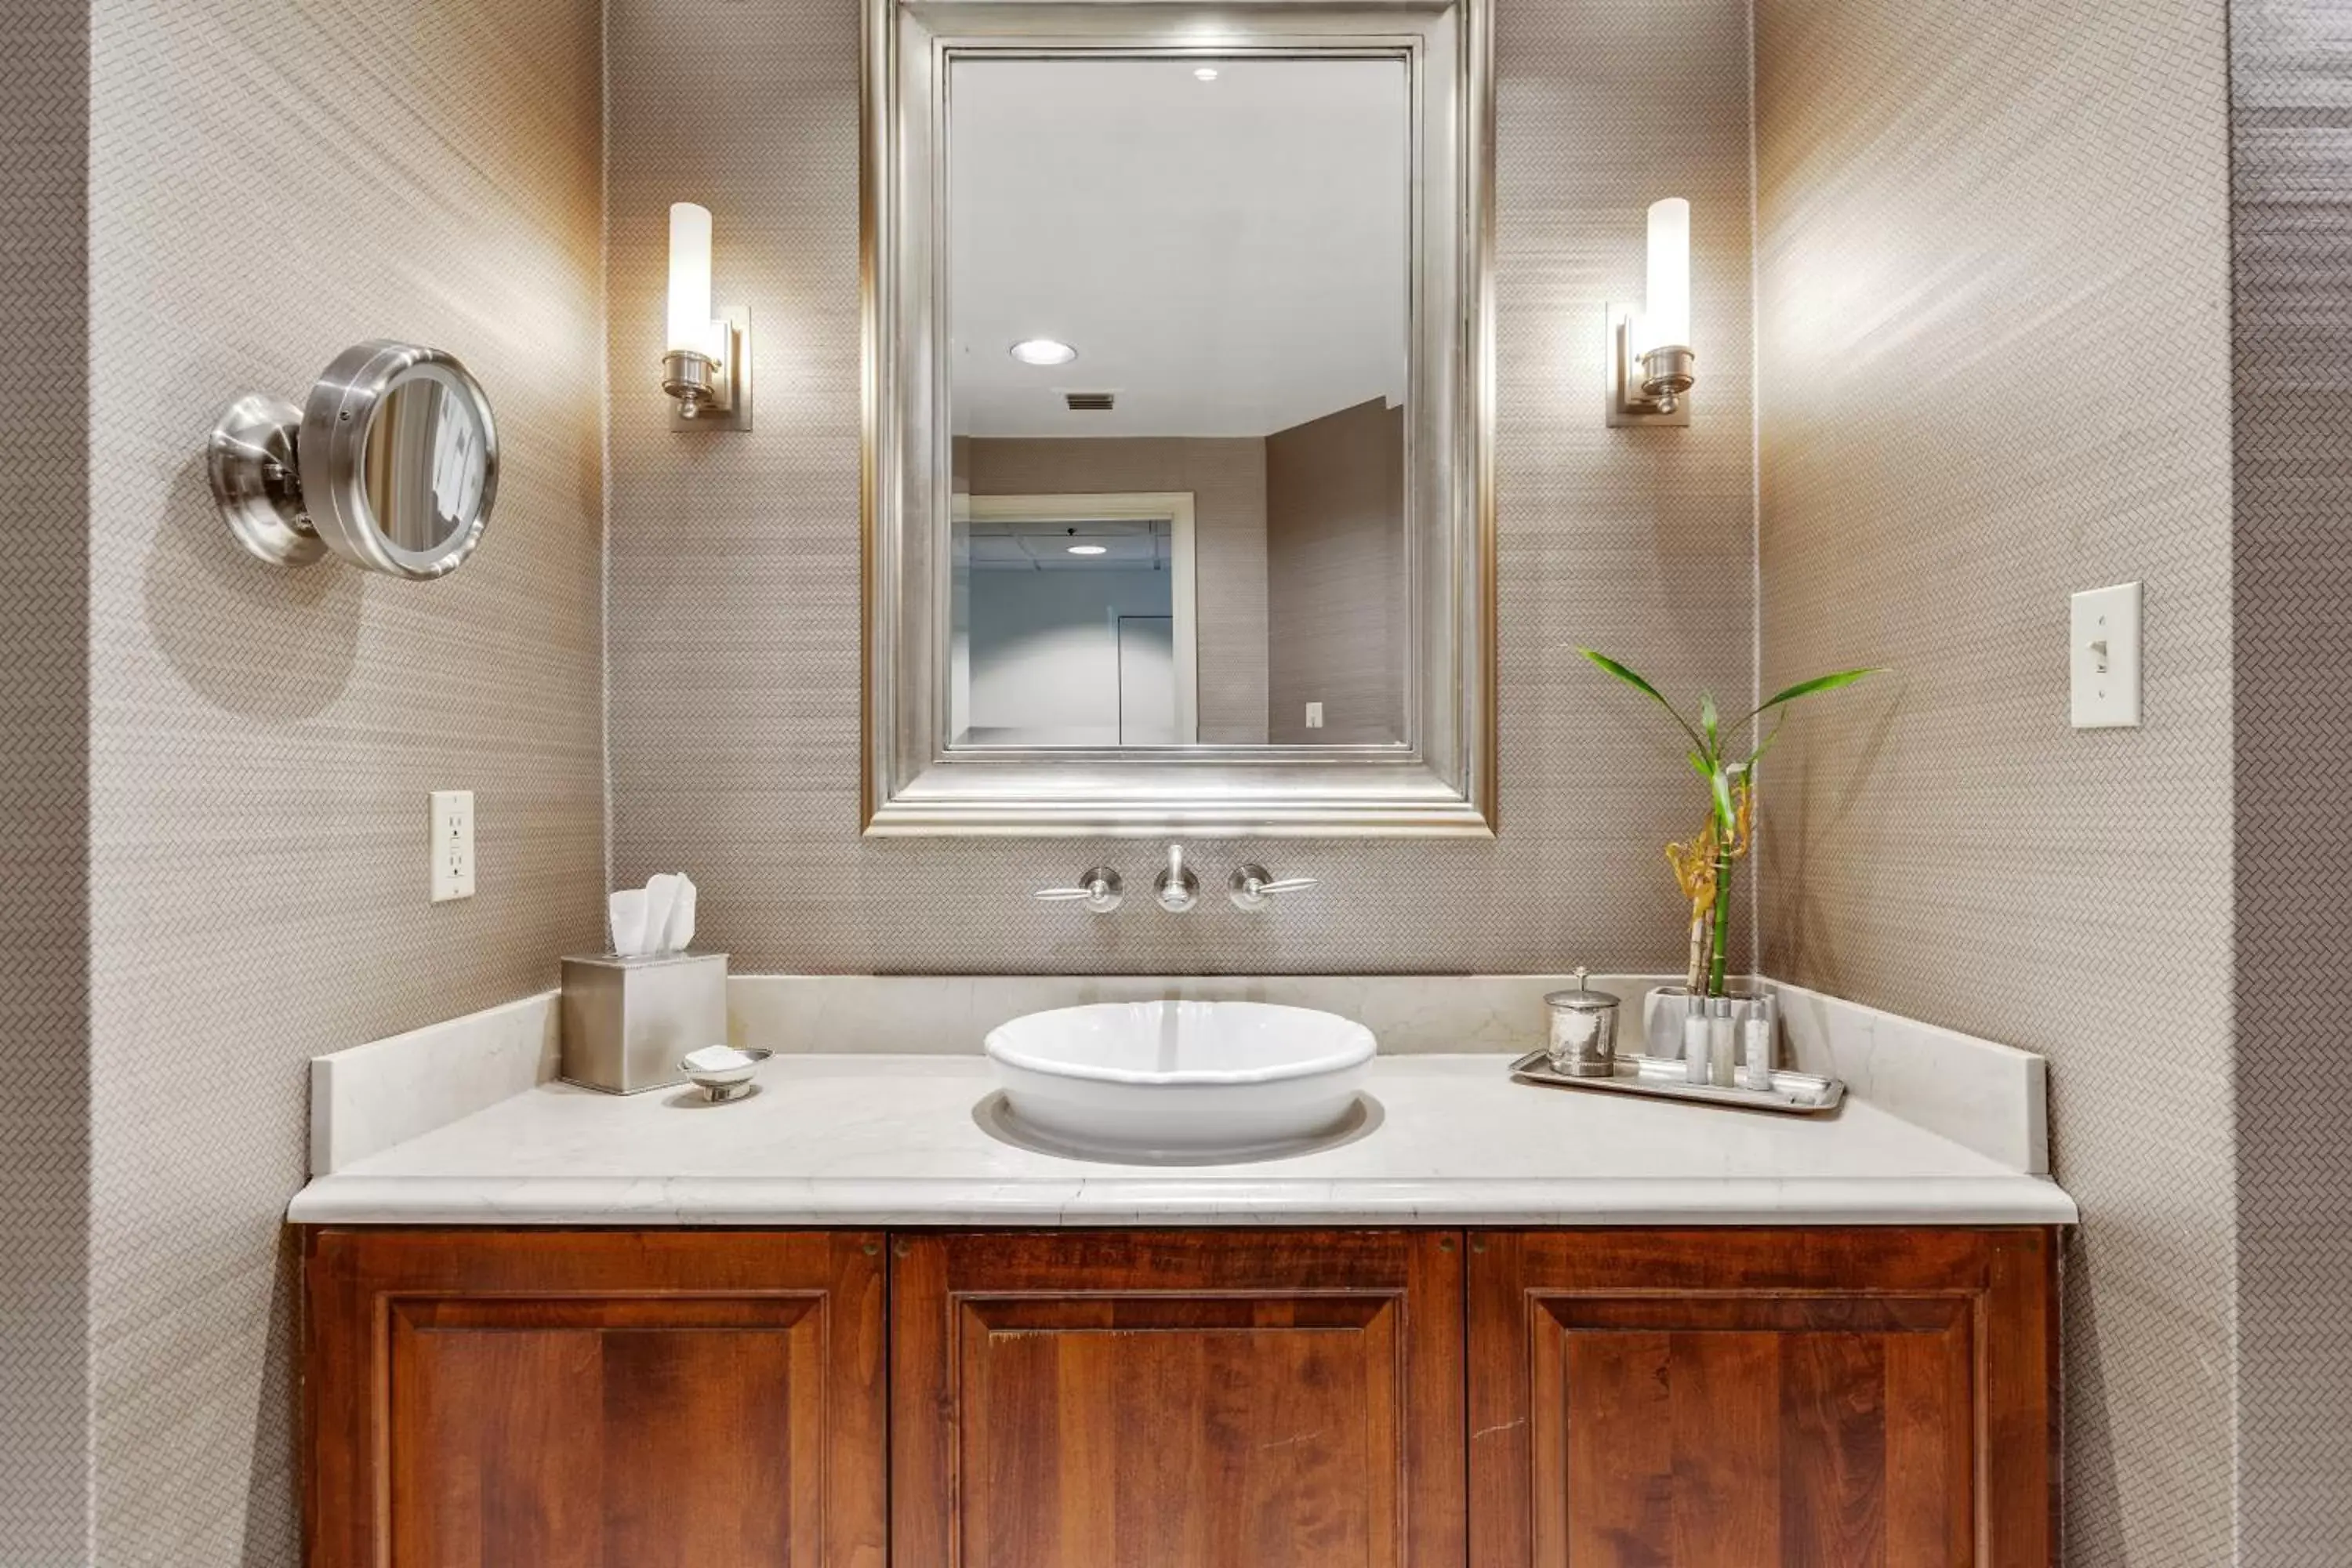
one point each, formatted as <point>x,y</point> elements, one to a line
<point>451,844</point>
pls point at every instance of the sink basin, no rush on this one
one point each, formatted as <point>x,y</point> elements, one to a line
<point>1181,1078</point>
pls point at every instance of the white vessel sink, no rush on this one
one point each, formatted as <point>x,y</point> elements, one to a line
<point>1181,1078</point>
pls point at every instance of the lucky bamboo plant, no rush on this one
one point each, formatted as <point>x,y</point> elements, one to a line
<point>1702,867</point>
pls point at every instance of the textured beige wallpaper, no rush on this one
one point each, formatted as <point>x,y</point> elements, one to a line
<point>1993,274</point>
<point>1227,479</point>
<point>1335,577</point>
<point>2291,79</point>
<point>735,592</point>
<point>44,789</point>
<point>271,180</point>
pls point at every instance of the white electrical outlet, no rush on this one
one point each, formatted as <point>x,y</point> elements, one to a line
<point>1315,715</point>
<point>453,845</point>
<point>2102,631</point>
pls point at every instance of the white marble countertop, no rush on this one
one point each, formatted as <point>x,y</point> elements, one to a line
<point>900,1141</point>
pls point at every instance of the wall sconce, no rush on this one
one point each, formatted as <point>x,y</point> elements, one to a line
<point>1651,366</point>
<point>707,363</point>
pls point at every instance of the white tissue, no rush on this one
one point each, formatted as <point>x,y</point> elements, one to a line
<point>661,900</point>
<point>628,907</point>
<point>656,918</point>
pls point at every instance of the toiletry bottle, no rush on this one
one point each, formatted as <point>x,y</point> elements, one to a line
<point>1722,1041</point>
<point>1756,1054</point>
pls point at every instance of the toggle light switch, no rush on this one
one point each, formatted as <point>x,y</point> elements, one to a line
<point>2103,627</point>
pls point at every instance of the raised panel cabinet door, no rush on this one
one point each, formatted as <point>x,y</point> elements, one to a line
<point>595,1399</point>
<point>1862,1398</point>
<point>1190,1399</point>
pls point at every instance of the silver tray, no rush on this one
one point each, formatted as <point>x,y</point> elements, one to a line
<point>1796,1093</point>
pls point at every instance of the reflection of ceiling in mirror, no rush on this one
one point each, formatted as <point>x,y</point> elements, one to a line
<point>1228,257</point>
<point>1107,544</point>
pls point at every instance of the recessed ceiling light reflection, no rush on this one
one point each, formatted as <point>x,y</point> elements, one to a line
<point>1043,351</point>
<point>1205,73</point>
<point>1088,549</point>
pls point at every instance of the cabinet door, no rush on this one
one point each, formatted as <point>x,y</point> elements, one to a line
<point>1195,1399</point>
<point>595,1400</point>
<point>1740,1399</point>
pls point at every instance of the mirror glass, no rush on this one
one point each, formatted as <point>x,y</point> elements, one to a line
<point>426,461</point>
<point>1179,297</point>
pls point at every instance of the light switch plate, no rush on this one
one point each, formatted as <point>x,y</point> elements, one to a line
<point>2103,651</point>
<point>1315,715</point>
<point>451,844</point>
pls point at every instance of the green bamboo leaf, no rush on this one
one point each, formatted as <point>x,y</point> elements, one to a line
<point>1720,781</point>
<point>1765,743</point>
<point>1699,766</point>
<point>1707,716</point>
<point>1818,683</point>
<point>1638,684</point>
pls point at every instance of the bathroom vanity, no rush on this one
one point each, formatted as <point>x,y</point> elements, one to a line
<point>850,1320</point>
<point>1065,1399</point>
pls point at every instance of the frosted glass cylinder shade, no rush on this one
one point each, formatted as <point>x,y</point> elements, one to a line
<point>690,280</point>
<point>1667,315</point>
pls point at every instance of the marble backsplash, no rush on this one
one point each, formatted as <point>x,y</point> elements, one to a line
<point>1986,1096</point>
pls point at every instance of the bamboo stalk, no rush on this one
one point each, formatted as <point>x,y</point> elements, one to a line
<point>1723,864</point>
<point>1695,973</point>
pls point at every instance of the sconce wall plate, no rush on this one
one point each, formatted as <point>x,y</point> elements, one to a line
<point>729,405</point>
<point>1628,405</point>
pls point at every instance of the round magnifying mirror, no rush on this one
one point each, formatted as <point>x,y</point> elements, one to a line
<point>392,465</point>
<point>400,460</point>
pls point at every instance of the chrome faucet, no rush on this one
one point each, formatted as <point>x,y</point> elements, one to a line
<point>1252,889</point>
<point>1176,889</point>
<point>1099,890</point>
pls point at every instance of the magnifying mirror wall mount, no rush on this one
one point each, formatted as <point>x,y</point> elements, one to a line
<point>1436,777</point>
<point>296,485</point>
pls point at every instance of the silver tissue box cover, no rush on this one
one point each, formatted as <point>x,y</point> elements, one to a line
<point>627,1021</point>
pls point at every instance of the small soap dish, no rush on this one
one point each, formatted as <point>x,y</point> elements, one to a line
<point>723,1072</point>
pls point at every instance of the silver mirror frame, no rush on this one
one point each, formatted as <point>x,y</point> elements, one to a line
<point>1440,781</point>
<point>292,483</point>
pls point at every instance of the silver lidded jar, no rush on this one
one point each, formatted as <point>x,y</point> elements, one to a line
<point>1583,1031</point>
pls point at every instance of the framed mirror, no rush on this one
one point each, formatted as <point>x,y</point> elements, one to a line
<point>1177,493</point>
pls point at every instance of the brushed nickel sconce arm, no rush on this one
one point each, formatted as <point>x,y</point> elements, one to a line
<point>712,392</point>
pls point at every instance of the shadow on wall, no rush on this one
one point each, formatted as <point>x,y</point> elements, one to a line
<point>1793,840</point>
<point>271,643</point>
<point>273,1524</point>
<point>2087,1460</point>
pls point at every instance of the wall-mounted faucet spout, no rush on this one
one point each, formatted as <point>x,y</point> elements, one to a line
<point>1176,888</point>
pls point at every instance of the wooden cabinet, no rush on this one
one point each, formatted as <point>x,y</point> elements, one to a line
<point>1203,1399</point>
<point>1762,1399</point>
<point>672,1399</point>
<point>1717,1398</point>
